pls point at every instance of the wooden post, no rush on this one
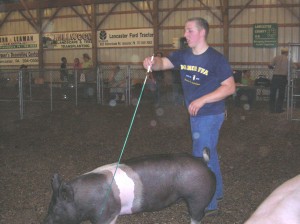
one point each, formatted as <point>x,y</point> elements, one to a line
<point>40,31</point>
<point>225,12</point>
<point>94,36</point>
<point>155,25</point>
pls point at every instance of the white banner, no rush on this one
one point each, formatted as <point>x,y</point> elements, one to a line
<point>125,38</point>
<point>19,58</point>
<point>19,42</point>
<point>67,40</point>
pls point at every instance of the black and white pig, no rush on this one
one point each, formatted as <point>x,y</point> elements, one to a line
<point>282,206</point>
<point>148,183</point>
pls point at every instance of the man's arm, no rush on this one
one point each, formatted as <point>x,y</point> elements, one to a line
<point>226,89</point>
<point>158,63</point>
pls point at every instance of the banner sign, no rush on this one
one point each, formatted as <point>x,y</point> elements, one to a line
<point>19,42</point>
<point>265,35</point>
<point>19,58</point>
<point>125,38</point>
<point>67,40</point>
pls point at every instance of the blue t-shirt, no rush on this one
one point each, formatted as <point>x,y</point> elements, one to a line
<point>200,75</point>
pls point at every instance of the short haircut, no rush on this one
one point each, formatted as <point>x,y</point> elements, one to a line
<point>201,24</point>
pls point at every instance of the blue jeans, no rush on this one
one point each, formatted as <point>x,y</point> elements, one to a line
<point>205,133</point>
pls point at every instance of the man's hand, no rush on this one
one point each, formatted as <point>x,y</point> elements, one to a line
<point>195,106</point>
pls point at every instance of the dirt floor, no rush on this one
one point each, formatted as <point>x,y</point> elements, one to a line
<point>258,151</point>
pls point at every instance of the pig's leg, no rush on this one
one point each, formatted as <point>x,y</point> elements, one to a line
<point>196,211</point>
<point>195,222</point>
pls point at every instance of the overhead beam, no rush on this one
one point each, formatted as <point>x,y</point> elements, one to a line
<point>5,18</point>
<point>142,13</point>
<point>83,19</point>
<point>35,4</point>
<point>240,11</point>
<point>107,15</point>
<point>170,12</point>
<point>283,3</point>
<point>210,10</point>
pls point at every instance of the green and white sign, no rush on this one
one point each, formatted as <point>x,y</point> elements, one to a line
<point>265,35</point>
<point>19,42</point>
<point>125,38</point>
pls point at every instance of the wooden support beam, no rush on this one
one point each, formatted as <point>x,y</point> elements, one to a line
<point>34,25</point>
<point>155,25</point>
<point>83,19</point>
<point>39,24</point>
<point>5,18</point>
<point>142,13</point>
<point>51,18</point>
<point>107,15</point>
<point>149,7</point>
<point>34,20</point>
<point>225,15</point>
<point>86,12</point>
<point>240,11</point>
<point>170,12</point>
<point>283,3</point>
<point>210,10</point>
<point>94,36</point>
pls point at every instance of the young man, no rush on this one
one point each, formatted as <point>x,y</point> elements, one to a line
<point>207,80</point>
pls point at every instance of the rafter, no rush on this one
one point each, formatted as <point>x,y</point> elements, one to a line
<point>283,3</point>
<point>240,11</point>
<point>149,7</point>
<point>5,18</point>
<point>83,19</point>
<point>210,10</point>
<point>170,12</point>
<point>51,18</point>
<point>140,11</point>
<point>107,15</point>
<point>34,20</point>
<point>89,16</point>
<point>34,25</point>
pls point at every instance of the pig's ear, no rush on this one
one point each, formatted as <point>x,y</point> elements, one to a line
<point>56,182</point>
<point>66,192</point>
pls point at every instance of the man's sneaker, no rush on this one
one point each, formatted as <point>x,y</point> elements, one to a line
<point>211,212</point>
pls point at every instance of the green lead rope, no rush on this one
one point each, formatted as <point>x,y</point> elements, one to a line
<point>124,145</point>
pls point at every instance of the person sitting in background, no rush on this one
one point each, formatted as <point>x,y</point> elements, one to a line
<point>245,88</point>
<point>117,84</point>
<point>88,76</point>
<point>87,66</point>
<point>63,69</point>
<point>77,64</point>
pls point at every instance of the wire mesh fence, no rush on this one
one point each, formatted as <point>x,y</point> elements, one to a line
<point>25,86</point>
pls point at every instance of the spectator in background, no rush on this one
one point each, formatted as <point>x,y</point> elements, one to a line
<point>279,81</point>
<point>87,62</point>
<point>158,76</point>
<point>87,67</point>
<point>245,88</point>
<point>63,69</point>
<point>117,84</point>
<point>77,64</point>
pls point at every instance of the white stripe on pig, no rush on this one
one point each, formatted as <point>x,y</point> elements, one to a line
<point>281,207</point>
<point>128,183</point>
